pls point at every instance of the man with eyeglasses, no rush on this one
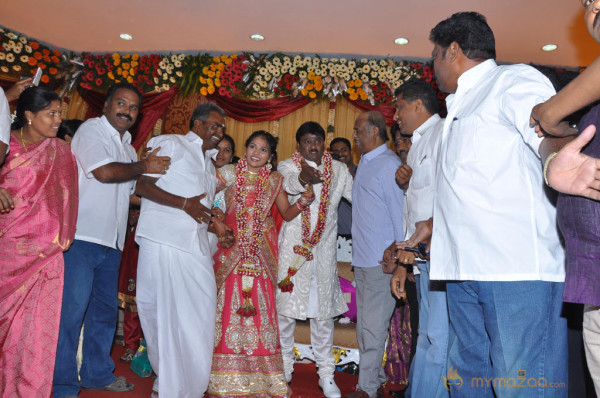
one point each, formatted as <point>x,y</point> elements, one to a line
<point>176,289</point>
<point>578,211</point>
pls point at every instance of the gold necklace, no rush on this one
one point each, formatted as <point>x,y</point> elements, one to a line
<point>23,140</point>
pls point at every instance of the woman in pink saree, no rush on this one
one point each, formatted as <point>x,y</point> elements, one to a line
<point>38,211</point>
<point>247,358</point>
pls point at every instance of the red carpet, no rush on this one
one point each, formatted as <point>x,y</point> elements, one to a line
<point>304,384</point>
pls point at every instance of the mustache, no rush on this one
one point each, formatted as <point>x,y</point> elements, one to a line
<point>123,115</point>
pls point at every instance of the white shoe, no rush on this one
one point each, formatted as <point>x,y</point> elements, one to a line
<point>330,389</point>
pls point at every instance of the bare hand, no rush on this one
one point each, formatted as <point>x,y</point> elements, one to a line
<point>15,91</point>
<point>224,233</point>
<point>574,173</point>
<point>308,196</point>
<point>218,214</point>
<point>405,257</point>
<point>389,261</point>
<point>197,210</point>
<point>411,277</point>
<point>144,154</point>
<point>403,175</point>
<point>544,127</point>
<point>6,202</point>
<point>310,175</point>
<point>398,281</point>
<point>156,164</point>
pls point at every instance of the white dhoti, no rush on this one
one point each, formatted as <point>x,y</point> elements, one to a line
<point>176,299</point>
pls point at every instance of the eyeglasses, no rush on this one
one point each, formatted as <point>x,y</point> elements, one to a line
<point>587,3</point>
<point>215,127</point>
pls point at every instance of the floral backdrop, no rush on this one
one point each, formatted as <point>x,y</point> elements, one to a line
<point>243,75</point>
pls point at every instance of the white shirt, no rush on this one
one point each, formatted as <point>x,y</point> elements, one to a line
<point>191,173</point>
<point>422,159</point>
<point>103,207</point>
<point>492,218</point>
<point>4,120</point>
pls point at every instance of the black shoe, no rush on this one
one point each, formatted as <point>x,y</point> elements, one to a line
<point>398,393</point>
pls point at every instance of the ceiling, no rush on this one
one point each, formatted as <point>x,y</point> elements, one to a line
<point>325,27</point>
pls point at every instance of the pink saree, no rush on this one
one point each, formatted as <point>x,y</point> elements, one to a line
<point>247,358</point>
<point>42,180</point>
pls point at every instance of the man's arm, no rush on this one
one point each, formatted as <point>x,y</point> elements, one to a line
<point>580,92</point>
<point>146,188</point>
<point>3,148</point>
<point>116,172</point>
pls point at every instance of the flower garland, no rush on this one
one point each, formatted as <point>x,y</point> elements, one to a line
<point>304,251</point>
<point>249,223</point>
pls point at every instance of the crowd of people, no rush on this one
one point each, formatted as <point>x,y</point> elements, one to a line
<point>233,251</point>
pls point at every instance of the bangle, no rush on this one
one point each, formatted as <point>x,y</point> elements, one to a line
<point>184,202</point>
<point>301,207</point>
<point>301,180</point>
<point>546,164</point>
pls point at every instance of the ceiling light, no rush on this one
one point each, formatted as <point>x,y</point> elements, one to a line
<point>401,41</point>
<point>257,37</point>
<point>549,47</point>
<point>126,36</point>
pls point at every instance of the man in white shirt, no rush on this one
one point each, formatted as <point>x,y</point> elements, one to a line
<point>316,293</point>
<point>108,167</point>
<point>417,114</point>
<point>494,231</point>
<point>176,289</point>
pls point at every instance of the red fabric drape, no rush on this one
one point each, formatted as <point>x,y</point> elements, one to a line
<point>387,111</point>
<point>259,111</point>
<point>153,106</point>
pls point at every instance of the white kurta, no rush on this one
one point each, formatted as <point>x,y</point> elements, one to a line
<point>176,289</point>
<point>324,265</point>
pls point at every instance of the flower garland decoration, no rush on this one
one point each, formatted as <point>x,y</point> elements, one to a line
<point>250,224</point>
<point>309,241</point>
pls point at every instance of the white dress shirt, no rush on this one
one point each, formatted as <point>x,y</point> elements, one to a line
<point>190,174</point>
<point>4,120</point>
<point>492,218</point>
<point>422,159</point>
<point>103,207</point>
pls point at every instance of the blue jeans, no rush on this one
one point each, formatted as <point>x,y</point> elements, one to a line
<point>508,338</point>
<point>89,298</point>
<point>429,364</point>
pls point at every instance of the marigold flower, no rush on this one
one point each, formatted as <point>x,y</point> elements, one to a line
<point>211,89</point>
<point>16,68</point>
<point>34,45</point>
<point>45,79</point>
<point>53,71</point>
<point>312,94</point>
<point>304,92</point>
<point>130,79</point>
<point>203,91</point>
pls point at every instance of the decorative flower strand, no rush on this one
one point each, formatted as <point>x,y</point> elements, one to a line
<point>250,225</point>
<point>304,251</point>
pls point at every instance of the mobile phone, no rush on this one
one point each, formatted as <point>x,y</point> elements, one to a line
<point>37,76</point>
<point>421,249</point>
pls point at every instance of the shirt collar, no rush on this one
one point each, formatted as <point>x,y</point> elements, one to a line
<point>195,138</point>
<point>469,78</point>
<point>375,152</point>
<point>126,137</point>
<point>422,129</point>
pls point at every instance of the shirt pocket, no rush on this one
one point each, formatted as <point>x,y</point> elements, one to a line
<point>462,140</point>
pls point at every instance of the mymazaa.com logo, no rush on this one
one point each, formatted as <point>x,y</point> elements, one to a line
<point>452,379</point>
<point>521,381</point>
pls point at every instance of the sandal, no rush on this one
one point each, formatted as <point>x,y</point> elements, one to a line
<point>128,356</point>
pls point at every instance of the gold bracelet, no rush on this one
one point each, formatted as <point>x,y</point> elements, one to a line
<point>301,180</point>
<point>546,164</point>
